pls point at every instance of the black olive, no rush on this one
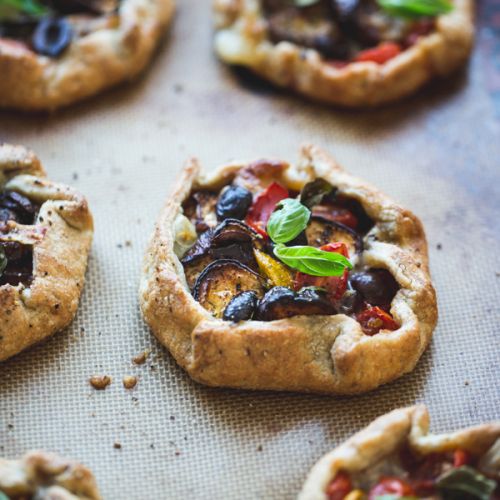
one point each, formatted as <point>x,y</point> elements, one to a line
<point>377,286</point>
<point>241,307</point>
<point>350,302</point>
<point>233,203</point>
<point>52,36</point>
<point>16,207</point>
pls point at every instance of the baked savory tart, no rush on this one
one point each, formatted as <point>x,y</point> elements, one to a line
<point>56,52</point>
<point>46,476</point>
<point>346,52</point>
<point>267,275</point>
<point>45,236</point>
<point>395,457</point>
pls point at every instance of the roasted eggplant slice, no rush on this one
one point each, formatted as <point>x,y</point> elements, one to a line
<point>281,302</point>
<point>233,231</point>
<point>200,248</point>
<point>221,281</point>
<point>321,231</point>
<point>377,286</point>
<point>241,308</point>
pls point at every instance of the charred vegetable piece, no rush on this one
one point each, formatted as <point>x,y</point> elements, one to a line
<point>241,308</point>
<point>264,205</point>
<point>19,264</point>
<point>374,319</point>
<point>16,207</point>
<point>233,203</point>
<point>320,232</point>
<point>335,286</point>
<point>308,29</point>
<point>200,209</point>
<point>281,302</point>
<point>313,192</point>
<point>339,487</point>
<point>377,286</point>
<point>276,272</point>
<point>233,230</point>
<point>200,248</point>
<point>221,281</point>
<point>52,37</point>
<point>336,213</point>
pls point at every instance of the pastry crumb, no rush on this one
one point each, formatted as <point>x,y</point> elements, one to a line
<point>141,358</point>
<point>100,382</point>
<point>129,382</point>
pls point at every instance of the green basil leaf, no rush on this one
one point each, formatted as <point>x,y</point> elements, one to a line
<point>3,496</point>
<point>464,482</point>
<point>288,220</point>
<point>416,8</point>
<point>314,192</point>
<point>10,9</point>
<point>3,264</point>
<point>312,261</point>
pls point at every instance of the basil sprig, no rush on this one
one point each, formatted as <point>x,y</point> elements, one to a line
<point>464,482</point>
<point>413,9</point>
<point>288,220</point>
<point>10,9</point>
<point>3,264</point>
<point>312,261</point>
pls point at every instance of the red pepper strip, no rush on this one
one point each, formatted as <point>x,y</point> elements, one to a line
<point>334,285</point>
<point>336,214</point>
<point>391,486</point>
<point>374,319</point>
<point>263,207</point>
<point>461,457</point>
<point>339,486</point>
<point>380,54</point>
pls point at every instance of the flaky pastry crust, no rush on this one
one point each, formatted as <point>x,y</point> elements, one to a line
<point>61,239</point>
<point>91,63</point>
<point>47,476</point>
<point>328,354</point>
<point>385,436</point>
<point>241,38</point>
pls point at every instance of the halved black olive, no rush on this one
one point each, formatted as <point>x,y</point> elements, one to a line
<point>377,286</point>
<point>281,302</point>
<point>241,308</point>
<point>221,281</point>
<point>52,36</point>
<point>16,207</point>
<point>321,231</point>
<point>233,203</point>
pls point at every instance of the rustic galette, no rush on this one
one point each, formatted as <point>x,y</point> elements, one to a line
<point>46,476</point>
<point>267,275</point>
<point>346,52</point>
<point>45,236</point>
<point>395,457</point>
<point>56,52</point>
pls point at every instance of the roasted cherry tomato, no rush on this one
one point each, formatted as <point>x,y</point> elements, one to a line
<point>336,214</point>
<point>334,285</point>
<point>263,207</point>
<point>461,457</point>
<point>391,486</point>
<point>380,54</point>
<point>374,319</point>
<point>339,486</point>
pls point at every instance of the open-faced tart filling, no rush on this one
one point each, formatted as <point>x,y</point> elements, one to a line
<point>345,31</point>
<point>48,26</point>
<point>16,254</point>
<point>456,475</point>
<point>256,250</point>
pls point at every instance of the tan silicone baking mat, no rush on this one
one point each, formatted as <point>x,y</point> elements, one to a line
<point>438,153</point>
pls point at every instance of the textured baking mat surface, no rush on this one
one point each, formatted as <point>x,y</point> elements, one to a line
<point>437,153</point>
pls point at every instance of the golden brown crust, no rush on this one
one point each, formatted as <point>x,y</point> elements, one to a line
<point>241,39</point>
<point>48,477</point>
<point>61,239</point>
<point>327,354</point>
<point>90,64</point>
<point>385,436</point>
